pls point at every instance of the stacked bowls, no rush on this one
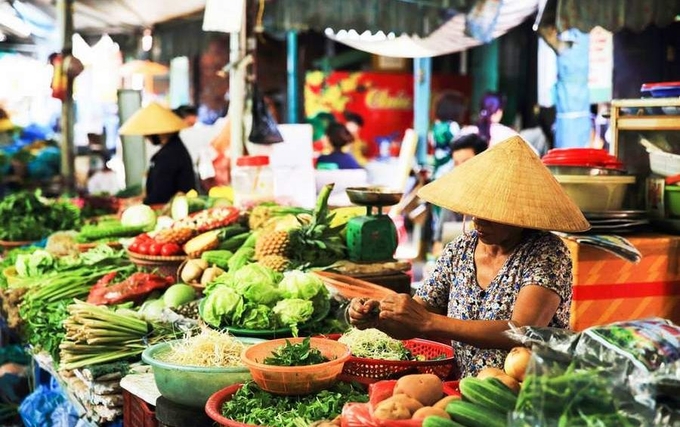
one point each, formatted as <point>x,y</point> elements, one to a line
<point>594,179</point>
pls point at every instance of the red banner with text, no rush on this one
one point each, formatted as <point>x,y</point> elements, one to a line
<point>383,100</point>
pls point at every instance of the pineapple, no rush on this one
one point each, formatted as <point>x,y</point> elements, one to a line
<point>272,243</point>
<point>312,242</point>
<point>203,242</point>
<point>179,235</point>
<point>275,262</point>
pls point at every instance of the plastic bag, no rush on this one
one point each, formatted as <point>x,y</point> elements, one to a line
<point>604,375</point>
<point>361,414</point>
<point>37,408</point>
<point>264,130</point>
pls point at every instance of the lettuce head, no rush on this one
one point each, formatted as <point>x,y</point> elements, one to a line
<point>291,312</point>
<point>256,273</point>
<point>223,307</point>
<point>298,284</point>
<point>258,317</point>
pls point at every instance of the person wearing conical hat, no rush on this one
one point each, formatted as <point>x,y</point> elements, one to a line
<point>171,169</point>
<point>509,269</point>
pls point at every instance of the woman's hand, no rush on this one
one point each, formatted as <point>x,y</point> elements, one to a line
<point>403,317</point>
<point>363,313</point>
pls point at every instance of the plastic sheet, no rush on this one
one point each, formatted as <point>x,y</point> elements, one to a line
<point>606,375</point>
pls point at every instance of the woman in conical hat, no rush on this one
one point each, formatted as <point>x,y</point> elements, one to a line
<point>510,268</point>
<point>171,169</point>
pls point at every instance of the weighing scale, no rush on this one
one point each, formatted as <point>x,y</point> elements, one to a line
<point>372,237</point>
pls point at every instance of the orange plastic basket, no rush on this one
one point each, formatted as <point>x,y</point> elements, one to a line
<point>295,380</point>
<point>439,361</point>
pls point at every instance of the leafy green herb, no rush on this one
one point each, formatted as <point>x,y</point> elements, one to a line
<point>251,405</point>
<point>299,354</point>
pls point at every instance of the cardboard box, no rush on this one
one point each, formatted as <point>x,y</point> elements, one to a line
<point>607,289</point>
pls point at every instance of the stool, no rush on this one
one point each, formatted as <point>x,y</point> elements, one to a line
<point>171,414</point>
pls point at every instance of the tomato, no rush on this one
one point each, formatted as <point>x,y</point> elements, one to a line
<point>170,249</point>
<point>144,237</point>
<point>155,248</point>
<point>143,248</point>
<point>134,247</point>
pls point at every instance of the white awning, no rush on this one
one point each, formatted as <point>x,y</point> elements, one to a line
<point>448,38</point>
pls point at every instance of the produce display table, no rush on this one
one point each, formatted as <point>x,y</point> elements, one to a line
<point>607,289</point>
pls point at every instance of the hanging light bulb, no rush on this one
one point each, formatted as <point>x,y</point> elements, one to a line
<point>147,40</point>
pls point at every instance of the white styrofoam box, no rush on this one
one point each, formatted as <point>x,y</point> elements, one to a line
<point>295,150</point>
<point>663,163</point>
<point>294,185</point>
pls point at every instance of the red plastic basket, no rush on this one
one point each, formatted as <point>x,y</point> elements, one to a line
<point>213,407</point>
<point>136,412</point>
<point>368,371</point>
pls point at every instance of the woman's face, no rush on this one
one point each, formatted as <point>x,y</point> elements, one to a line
<point>493,233</point>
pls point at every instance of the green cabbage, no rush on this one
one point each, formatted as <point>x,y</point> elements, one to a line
<point>291,312</point>
<point>34,264</point>
<point>257,317</point>
<point>298,284</point>
<point>259,293</point>
<point>256,273</point>
<point>222,307</point>
<point>139,216</point>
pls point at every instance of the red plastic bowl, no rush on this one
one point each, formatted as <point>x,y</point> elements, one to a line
<point>213,407</point>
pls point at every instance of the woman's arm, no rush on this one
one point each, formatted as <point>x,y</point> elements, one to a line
<point>404,317</point>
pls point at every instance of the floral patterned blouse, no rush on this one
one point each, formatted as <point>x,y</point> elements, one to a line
<point>540,259</point>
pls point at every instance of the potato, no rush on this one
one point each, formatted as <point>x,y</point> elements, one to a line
<point>390,409</point>
<point>490,371</point>
<point>407,402</point>
<point>444,401</point>
<point>427,411</point>
<point>425,388</point>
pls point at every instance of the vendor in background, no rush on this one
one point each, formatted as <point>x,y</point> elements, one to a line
<point>449,113</point>
<point>359,149</point>
<point>509,270</point>
<point>188,113</point>
<point>339,137</point>
<point>171,169</point>
<point>489,125</point>
<point>102,180</point>
<point>462,150</point>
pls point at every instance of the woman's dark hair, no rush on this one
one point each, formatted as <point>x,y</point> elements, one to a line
<point>353,117</point>
<point>450,107</point>
<point>470,140</point>
<point>491,102</point>
<point>186,110</point>
<point>338,135</point>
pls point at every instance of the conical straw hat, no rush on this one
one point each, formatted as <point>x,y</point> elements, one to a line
<point>153,119</point>
<point>507,184</point>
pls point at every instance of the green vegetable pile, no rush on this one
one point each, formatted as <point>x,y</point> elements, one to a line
<point>258,298</point>
<point>44,306</point>
<point>25,216</point>
<point>251,405</point>
<point>299,354</point>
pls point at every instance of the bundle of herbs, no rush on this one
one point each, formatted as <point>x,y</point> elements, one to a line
<point>25,216</point>
<point>251,405</point>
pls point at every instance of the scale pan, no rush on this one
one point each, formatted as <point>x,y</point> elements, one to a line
<point>374,196</point>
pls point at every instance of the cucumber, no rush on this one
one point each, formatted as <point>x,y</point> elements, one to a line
<point>235,242</point>
<point>435,421</point>
<point>219,257</point>
<point>472,415</point>
<point>488,394</point>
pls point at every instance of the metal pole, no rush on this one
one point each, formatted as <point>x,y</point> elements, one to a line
<point>65,11</point>
<point>422,77</point>
<point>237,89</point>
<point>292,71</point>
